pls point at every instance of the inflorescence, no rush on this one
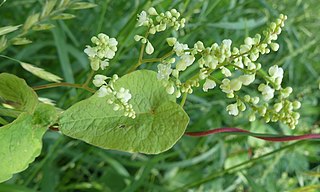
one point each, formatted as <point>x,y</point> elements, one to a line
<point>99,57</point>
<point>238,65</point>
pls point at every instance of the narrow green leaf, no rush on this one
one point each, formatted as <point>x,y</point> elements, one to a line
<point>48,7</point>
<point>3,43</point>
<point>41,73</point>
<point>8,29</point>
<point>21,41</point>
<point>31,20</point>
<point>159,124</point>
<point>16,93</point>
<point>61,45</point>
<point>21,140</point>
<point>63,16</point>
<point>42,27</point>
<point>82,5</point>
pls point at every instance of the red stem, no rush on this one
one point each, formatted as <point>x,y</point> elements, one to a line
<point>275,138</point>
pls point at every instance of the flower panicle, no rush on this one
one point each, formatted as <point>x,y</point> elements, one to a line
<point>229,61</point>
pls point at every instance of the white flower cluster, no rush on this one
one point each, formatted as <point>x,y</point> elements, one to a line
<point>226,59</point>
<point>105,49</point>
<point>157,23</point>
<point>99,56</point>
<point>119,98</point>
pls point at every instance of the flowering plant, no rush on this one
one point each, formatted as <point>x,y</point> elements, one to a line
<point>138,112</point>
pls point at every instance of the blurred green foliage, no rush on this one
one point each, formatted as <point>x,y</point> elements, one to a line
<point>213,163</point>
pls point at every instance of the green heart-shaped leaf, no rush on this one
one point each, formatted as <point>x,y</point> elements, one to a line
<point>159,121</point>
<point>15,92</point>
<point>21,140</point>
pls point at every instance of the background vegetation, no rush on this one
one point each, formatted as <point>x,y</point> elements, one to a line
<point>213,163</point>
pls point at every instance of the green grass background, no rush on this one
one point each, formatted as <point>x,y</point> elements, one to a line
<point>213,163</point>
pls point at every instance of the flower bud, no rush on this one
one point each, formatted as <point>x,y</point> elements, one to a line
<point>152,11</point>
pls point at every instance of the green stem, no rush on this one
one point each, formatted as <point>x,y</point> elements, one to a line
<point>63,84</point>
<point>184,98</point>
<point>231,169</point>
<point>88,79</point>
<point>140,54</point>
<point>154,60</point>
<point>264,75</point>
<point>10,58</point>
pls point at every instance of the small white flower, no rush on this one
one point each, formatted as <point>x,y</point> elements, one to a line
<point>179,48</point>
<point>276,73</point>
<point>211,62</point>
<point>104,64</point>
<point>124,94</point>
<point>233,109</point>
<point>244,48</point>
<point>225,71</point>
<point>103,91</point>
<point>248,41</point>
<point>105,49</point>
<point>239,63</point>
<point>209,84</point>
<point>184,62</point>
<point>227,43</point>
<point>199,46</point>
<point>225,86</point>
<point>164,71</point>
<point>99,80</point>
<point>143,18</point>
<point>188,59</point>
<point>90,51</point>
<point>267,91</point>
<point>286,92</point>
<point>247,79</point>
<point>235,85</point>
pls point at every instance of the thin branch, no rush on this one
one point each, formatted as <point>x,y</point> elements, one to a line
<point>63,84</point>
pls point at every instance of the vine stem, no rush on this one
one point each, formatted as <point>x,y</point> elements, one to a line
<point>267,137</point>
<point>63,84</point>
